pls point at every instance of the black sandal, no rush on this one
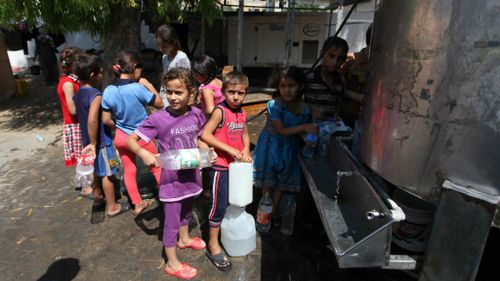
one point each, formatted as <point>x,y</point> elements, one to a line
<point>219,261</point>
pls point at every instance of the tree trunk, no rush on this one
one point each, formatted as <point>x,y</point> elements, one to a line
<point>123,33</point>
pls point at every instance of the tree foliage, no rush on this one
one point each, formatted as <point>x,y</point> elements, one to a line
<point>94,16</point>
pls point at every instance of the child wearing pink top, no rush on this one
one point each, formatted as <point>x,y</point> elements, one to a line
<point>227,133</point>
<point>204,69</point>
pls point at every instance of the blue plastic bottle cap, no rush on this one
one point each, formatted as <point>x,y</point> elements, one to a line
<point>311,138</point>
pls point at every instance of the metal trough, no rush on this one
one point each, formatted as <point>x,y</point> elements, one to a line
<point>358,223</point>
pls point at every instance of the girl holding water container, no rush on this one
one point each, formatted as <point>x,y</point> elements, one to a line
<point>276,160</point>
<point>176,127</point>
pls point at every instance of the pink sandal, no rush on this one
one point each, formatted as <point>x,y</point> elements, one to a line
<point>186,272</point>
<point>196,243</point>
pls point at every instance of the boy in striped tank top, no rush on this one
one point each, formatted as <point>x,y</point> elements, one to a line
<point>227,133</point>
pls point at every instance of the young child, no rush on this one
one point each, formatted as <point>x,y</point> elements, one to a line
<point>127,100</point>
<point>95,136</point>
<point>227,133</point>
<point>173,56</point>
<point>325,85</point>
<point>204,69</point>
<point>66,89</point>
<point>276,160</point>
<point>177,127</point>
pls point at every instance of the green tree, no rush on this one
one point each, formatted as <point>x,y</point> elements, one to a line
<point>116,21</point>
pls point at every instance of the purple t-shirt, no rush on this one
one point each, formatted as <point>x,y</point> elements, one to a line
<point>175,132</point>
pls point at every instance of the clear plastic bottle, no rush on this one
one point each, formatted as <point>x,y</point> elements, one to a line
<point>323,145</point>
<point>264,213</point>
<point>84,175</point>
<point>181,159</point>
<point>310,146</point>
<point>287,210</point>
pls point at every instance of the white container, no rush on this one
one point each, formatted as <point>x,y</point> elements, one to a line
<point>240,184</point>
<point>238,235</point>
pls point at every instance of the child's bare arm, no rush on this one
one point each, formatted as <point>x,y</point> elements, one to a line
<point>208,137</point>
<point>93,126</point>
<point>246,156</point>
<point>158,103</point>
<point>208,96</point>
<point>69,92</point>
<point>147,157</point>
<point>290,131</point>
<point>107,120</point>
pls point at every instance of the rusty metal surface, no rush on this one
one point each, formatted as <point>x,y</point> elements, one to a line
<point>434,95</point>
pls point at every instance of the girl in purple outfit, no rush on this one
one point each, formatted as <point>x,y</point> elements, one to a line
<point>176,127</point>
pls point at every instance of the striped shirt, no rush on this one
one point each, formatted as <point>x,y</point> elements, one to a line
<point>326,98</point>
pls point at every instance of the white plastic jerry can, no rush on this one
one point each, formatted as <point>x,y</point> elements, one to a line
<point>240,183</point>
<point>238,235</point>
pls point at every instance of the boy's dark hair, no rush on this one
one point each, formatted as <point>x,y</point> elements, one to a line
<point>204,65</point>
<point>234,77</point>
<point>68,56</point>
<point>85,65</point>
<point>167,34</point>
<point>291,72</point>
<point>183,74</point>
<point>336,42</point>
<point>125,62</point>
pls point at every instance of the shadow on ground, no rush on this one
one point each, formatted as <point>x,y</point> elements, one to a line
<point>36,110</point>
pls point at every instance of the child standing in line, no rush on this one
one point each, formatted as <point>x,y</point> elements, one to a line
<point>227,133</point>
<point>276,160</point>
<point>204,70</point>
<point>173,56</point>
<point>127,100</point>
<point>66,89</point>
<point>96,137</point>
<point>176,127</point>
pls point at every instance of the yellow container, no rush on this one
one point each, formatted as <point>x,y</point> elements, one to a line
<point>21,87</point>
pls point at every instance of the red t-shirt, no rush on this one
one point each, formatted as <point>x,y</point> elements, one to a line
<point>67,117</point>
<point>230,131</point>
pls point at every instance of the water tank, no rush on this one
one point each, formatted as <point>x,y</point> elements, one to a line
<point>433,109</point>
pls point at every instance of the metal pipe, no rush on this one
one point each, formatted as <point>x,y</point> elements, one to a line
<point>239,45</point>
<point>289,27</point>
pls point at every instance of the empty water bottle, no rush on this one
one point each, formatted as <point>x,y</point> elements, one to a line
<point>287,213</point>
<point>264,213</point>
<point>84,170</point>
<point>181,159</point>
<point>323,145</point>
<point>310,146</point>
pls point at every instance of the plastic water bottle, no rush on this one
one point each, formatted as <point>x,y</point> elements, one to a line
<point>39,138</point>
<point>181,159</point>
<point>264,213</point>
<point>287,213</point>
<point>238,232</point>
<point>84,170</point>
<point>323,145</point>
<point>310,146</point>
<point>240,183</point>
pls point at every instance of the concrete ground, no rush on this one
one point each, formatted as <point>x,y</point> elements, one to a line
<point>46,233</point>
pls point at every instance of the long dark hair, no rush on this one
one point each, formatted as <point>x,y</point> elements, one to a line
<point>291,72</point>
<point>205,65</point>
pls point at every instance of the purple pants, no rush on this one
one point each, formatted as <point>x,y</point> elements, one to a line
<point>177,214</point>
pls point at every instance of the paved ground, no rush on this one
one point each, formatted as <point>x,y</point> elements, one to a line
<point>46,234</point>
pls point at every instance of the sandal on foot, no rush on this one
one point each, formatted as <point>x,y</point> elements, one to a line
<point>186,272</point>
<point>86,192</point>
<point>124,206</point>
<point>149,205</point>
<point>97,213</point>
<point>220,261</point>
<point>196,243</point>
